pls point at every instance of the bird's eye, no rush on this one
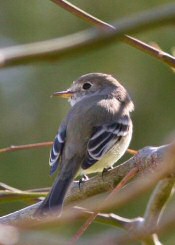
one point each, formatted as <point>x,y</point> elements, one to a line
<point>87,86</point>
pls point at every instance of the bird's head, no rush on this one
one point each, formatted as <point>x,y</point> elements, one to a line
<point>93,84</point>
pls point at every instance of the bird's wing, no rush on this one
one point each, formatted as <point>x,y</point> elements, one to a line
<point>57,148</point>
<point>103,138</point>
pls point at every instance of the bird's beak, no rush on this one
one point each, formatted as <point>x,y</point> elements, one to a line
<point>64,94</point>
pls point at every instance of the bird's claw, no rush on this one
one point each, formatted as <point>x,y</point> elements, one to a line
<point>83,179</point>
<point>105,170</point>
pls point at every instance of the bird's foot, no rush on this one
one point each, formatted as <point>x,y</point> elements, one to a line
<point>105,170</point>
<point>83,179</point>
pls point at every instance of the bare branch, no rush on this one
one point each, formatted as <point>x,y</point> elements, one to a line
<point>9,196</point>
<point>153,51</point>
<point>8,188</point>
<point>157,202</point>
<point>110,219</point>
<point>146,230</point>
<point>147,159</point>
<point>93,216</point>
<point>25,147</point>
<point>90,39</point>
<point>84,15</point>
<point>41,145</point>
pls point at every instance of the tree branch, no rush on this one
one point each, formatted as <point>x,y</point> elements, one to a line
<point>25,147</point>
<point>84,15</point>
<point>90,39</point>
<point>147,228</point>
<point>40,145</point>
<point>131,174</point>
<point>8,196</point>
<point>153,51</point>
<point>147,159</point>
<point>157,202</point>
<point>110,219</point>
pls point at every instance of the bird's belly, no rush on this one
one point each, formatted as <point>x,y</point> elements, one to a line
<point>111,157</point>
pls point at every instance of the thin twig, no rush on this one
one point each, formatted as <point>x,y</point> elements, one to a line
<point>44,189</point>
<point>90,39</point>
<point>84,15</point>
<point>40,145</point>
<point>132,152</point>
<point>11,196</point>
<point>110,218</point>
<point>153,51</point>
<point>25,147</point>
<point>6,187</point>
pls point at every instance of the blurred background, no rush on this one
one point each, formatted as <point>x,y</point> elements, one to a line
<point>29,115</point>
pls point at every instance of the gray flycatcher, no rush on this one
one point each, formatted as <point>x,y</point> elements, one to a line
<point>94,135</point>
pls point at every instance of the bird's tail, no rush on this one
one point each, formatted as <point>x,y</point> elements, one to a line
<point>55,198</point>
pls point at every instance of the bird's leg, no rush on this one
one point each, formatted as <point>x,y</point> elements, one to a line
<point>83,179</point>
<point>105,170</point>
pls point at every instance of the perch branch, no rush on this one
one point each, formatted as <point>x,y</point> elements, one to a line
<point>148,159</point>
<point>89,39</point>
<point>147,228</point>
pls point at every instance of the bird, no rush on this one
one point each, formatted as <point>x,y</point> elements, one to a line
<point>93,136</point>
